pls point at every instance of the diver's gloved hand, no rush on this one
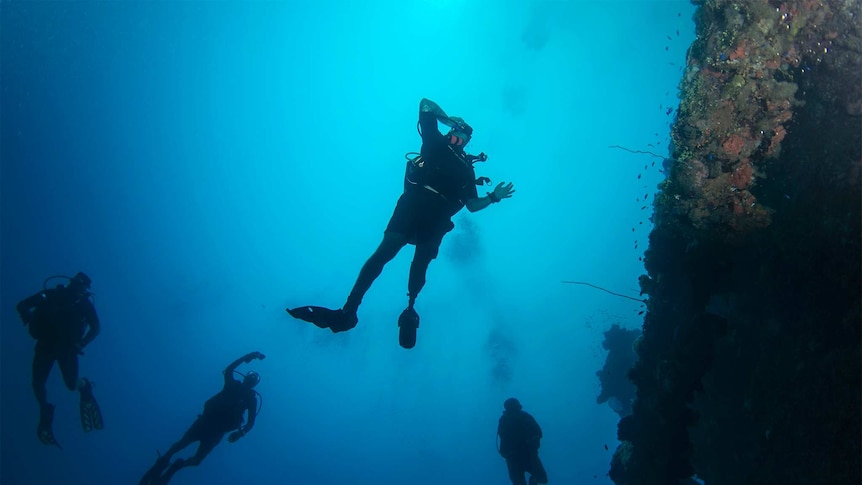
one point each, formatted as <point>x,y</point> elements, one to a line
<point>253,355</point>
<point>461,125</point>
<point>233,437</point>
<point>503,191</point>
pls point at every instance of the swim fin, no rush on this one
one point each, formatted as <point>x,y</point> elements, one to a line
<point>408,322</point>
<point>154,474</point>
<point>46,421</point>
<point>335,320</point>
<point>91,415</point>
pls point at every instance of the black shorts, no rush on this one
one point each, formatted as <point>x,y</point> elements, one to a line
<point>421,216</point>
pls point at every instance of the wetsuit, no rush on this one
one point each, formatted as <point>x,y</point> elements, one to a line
<point>433,193</point>
<point>519,445</point>
<point>58,318</point>
<point>222,414</point>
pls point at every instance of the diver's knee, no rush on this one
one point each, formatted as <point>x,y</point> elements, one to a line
<point>424,255</point>
<point>392,243</point>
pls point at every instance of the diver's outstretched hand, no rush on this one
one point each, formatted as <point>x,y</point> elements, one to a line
<point>502,191</point>
<point>253,355</point>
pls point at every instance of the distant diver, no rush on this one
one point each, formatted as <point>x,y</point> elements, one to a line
<point>223,413</point>
<point>439,181</point>
<point>519,439</point>
<point>58,318</point>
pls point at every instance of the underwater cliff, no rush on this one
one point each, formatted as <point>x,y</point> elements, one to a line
<point>749,366</point>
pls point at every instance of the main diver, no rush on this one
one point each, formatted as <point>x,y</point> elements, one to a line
<point>437,184</point>
<point>58,318</point>
<point>223,413</point>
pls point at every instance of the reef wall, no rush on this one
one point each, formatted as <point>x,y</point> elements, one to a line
<point>749,367</point>
<point>616,388</point>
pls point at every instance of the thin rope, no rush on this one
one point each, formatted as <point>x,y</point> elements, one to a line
<point>603,289</point>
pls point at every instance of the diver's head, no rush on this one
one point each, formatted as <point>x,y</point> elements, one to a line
<point>460,134</point>
<point>251,379</point>
<point>512,405</point>
<point>458,139</point>
<point>80,283</point>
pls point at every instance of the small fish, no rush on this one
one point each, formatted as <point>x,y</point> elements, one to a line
<point>644,207</point>
<point>640,258</point>
<point>640,222</point>
<point>645,167</point>
<point>665,47</point>
<point>646,195</point>
<point>668,38</point>
<point>633,229</point>
<point>669,111</point>
<point>641,312</point>
<point>639,175</point>
<point>677,33</point>
<point>606,447</point>
<point>653,164</point>
<point>650,145</point>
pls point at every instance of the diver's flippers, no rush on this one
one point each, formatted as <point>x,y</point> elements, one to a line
<point>176,466</point>
<point>408,322</point>
<point>91,415</point>
<point>154,474</point>
<point>46,421</point>
<point>335,320</point>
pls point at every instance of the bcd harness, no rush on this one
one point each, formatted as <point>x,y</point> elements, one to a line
<point>417,163</point>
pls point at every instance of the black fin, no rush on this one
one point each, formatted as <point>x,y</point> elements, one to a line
<point>91,414</point>
<point>317,315</point>
<point>408,322</point>
<point>46,420</point>
<point>154,474</point>
<point>335,320</point>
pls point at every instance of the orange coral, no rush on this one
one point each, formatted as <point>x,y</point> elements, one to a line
<point>733,145</point>
<point>741,176</point>
<point>739,51</point>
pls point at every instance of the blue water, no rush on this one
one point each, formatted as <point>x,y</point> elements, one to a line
<point>210,163</point>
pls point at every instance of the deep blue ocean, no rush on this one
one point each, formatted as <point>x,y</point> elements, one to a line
<point>209,164</point>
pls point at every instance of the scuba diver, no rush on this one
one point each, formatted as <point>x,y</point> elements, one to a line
<point>222,414</point>
<point>519,435</point>
<point>438,183</point>
<point>58,318</point>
